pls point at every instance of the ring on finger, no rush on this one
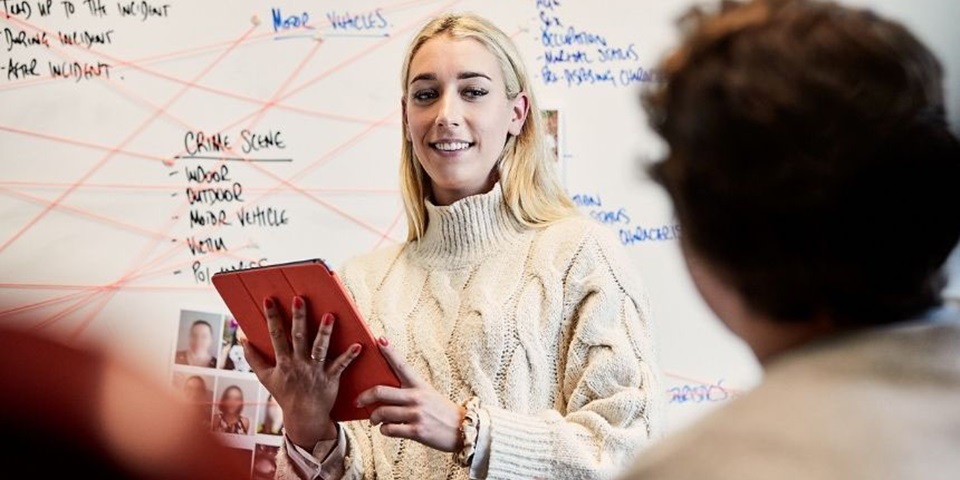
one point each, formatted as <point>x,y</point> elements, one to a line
<point>318,357</point>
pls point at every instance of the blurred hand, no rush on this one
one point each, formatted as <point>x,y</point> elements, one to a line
<point>303,381</point>
<point>415,410</point>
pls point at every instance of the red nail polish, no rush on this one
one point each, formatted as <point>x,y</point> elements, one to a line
<point>383,341</point>
<point>355,349</point>
<point>268,303</point>
<point>327,319</point>
<point>297,303</point>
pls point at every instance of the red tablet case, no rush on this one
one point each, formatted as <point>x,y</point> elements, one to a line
<point>244,291</point>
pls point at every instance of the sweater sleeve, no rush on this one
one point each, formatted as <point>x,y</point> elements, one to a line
<point>343,461</point>
<point>312,465</point>
<point>610,403</point>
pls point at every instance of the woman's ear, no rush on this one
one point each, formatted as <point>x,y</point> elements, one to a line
<point>521,107</point>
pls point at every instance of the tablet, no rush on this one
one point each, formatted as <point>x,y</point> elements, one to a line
<point>244,290</point>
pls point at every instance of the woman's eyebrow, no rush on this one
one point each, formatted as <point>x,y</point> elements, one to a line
<point>460,76</point>
<point>466,75</point>
<point>423,76</point>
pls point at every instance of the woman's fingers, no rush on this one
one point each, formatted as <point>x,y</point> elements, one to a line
<point>298,327</point>
<point>342,362</point>
<point>386,395</point>
<point>401,430</point>
<point>392,414</point>
<point>260,365</point>
<point>407,376</point>
<point>322,341</point>
<point>278,334</point>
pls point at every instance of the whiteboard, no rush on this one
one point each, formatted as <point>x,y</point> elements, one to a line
<point>113,221</point>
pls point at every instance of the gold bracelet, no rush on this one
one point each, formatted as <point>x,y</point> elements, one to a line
<point>469,430</point>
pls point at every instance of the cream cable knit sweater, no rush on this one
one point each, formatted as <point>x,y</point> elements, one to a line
<point>548,327</point>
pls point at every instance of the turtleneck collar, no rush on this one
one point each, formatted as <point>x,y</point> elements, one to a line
<point>467,230</point>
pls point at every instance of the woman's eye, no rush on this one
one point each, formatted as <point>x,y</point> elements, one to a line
<point>424,95</point>
<point>474,92</point>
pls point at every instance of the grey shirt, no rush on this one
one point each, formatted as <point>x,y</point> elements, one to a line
<point>878,404</point>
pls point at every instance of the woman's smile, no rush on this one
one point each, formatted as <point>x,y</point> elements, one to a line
<point>451,148</point>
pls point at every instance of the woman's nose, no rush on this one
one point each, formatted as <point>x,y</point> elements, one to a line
<point>450,113</point>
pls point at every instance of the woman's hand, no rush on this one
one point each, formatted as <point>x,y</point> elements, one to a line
<point>303,381</point>
<point>415,410</point>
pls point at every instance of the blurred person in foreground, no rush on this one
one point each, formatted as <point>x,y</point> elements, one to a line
<point>814,176</point>
<point>68,412</point>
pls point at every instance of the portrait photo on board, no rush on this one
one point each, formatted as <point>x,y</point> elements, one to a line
<point>197,390</point>
<point>231,352</point>
<point>264,462</point>
<point>235,406</point>
<point>554,139</point>
<point>551,125</point>
<point>271,416</point>
<point>197,336</point>
<point>242,457</point>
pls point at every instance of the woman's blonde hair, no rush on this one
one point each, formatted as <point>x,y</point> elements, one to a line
<point>531,189</point>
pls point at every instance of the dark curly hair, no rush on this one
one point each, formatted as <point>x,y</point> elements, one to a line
<point>810,162</point>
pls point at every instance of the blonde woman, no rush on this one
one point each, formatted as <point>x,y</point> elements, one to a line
<point>521,337</point>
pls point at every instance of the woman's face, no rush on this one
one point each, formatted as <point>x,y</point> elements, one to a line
<point>233,400</point>
<point>458,115</point>
<point>195,389</point>
<point>200,338</point>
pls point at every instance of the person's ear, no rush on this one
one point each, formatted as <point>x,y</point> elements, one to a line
<point>406,125</point>
<point>520,109</point>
